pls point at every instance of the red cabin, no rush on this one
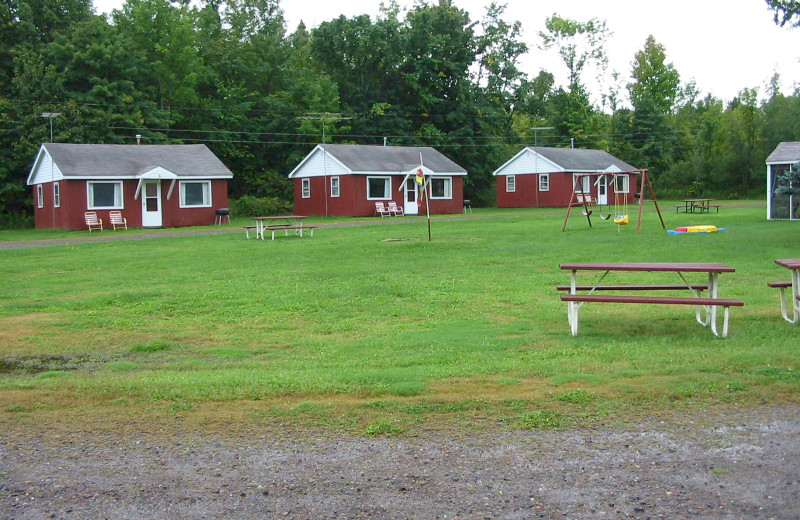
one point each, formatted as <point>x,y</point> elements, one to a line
<point>541,177</point>
<point>153,186</point>
<point>347,180</point>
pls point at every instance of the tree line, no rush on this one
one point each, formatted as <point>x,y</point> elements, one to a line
<point>228,74</point>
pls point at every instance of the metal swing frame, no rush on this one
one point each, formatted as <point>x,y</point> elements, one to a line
<point>573,201</point>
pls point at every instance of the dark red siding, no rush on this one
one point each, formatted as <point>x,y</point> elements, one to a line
<point>353,202</point>
<point>74,205</point>
<point>558,196</point>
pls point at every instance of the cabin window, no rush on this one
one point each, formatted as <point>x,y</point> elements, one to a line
<point>56,195</point>
<point>621,183</point>
<point>584,186</point>
<point>104,195</point>
<point>544,182</point>
<point>441,187</point>
<point>195,194</point>
<point>334,187</point>
<point>39,196</point>
<point>378,188</point>
<point>305,185</point>
<point>511,183</point>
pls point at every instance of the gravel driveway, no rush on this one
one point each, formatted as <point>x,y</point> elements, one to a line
<point>741,465</point>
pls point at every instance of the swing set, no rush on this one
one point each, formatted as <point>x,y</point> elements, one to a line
<point>620,214</point>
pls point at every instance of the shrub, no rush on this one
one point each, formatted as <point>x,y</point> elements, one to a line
<point>18,220</point>
<point>249,206</point>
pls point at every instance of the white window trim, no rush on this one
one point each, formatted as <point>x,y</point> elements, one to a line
<point>206,192</point>
<point>305,188</point>
<point>626,181</point>
<point>335,187</point>
<point>511,183</point>
<point>39,196</point>
<point>387,191</point>
<point>448,188</point>
<point>56,195</point>
<point>118,204</point>
<point>585,184</point>
<point>544,182</point>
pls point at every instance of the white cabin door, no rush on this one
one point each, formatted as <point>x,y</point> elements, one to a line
<point>410,198</point>
<point>151,204</point>
<point>602,190</point>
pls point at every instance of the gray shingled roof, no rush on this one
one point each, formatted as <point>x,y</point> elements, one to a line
<point>394,159</point>
<point>122,160</point>
<point>581,160</point>
<point>786,152</point>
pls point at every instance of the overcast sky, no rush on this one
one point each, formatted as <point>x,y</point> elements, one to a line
<point>723,45</point>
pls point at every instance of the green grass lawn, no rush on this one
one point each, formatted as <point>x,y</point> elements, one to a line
<point>374,329</point>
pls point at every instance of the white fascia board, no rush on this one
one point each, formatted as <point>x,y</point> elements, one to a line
<point>425,170</point>
<point>773,163</point>
<point>128,177</point>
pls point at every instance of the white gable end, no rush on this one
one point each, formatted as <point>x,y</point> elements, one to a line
<point>44,169</point>
<point>528,162</point>
<point>318,164</point>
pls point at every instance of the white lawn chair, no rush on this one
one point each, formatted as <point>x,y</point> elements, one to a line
<point>92,221</point>
<point>395,210</point>
<point>117,220</point>
<point>381,210</point>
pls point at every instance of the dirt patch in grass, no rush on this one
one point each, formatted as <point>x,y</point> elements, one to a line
<point>713,464</point>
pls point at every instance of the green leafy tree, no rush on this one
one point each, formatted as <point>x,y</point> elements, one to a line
<point>361,56</point>
<point>781,116</point>
<point>698,151</point>
<point>578,43</point>
<point>786,12</point>
<point>653,93</point>
<point>438,49</point>
<point>166,34</point>
<point>788,182</point>
<point>744,144</point>
<point>498,51</point>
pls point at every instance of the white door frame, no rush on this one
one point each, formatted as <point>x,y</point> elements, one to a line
<point>151,204</point>
<point>410,197</point>
<point>602,190</point>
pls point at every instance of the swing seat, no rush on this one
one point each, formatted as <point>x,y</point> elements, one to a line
<point>621,219</point>
<point>587,213</point>
<point>606,216</point>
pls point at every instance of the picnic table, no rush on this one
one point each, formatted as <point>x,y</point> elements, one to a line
<point>284,222</point>
<point>696,205</point>
<point>706,306</point>
<point>793,264</point>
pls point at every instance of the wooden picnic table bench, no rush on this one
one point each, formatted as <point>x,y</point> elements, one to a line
<point>646,287</point>
<point>298,230</point>
<point>790,309</point>
<point>696,205</point>
<point>708,304</point>
<point>247,230</point>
